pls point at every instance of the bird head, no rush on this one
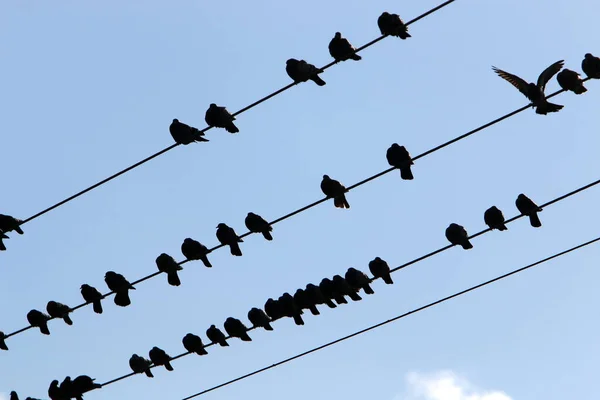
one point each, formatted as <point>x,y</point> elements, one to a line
<point>221,225</point>
<point>110,274</point>
<point>385,14</point>
<point>213,105</point>
<point>213,327</point>
<point>326,177</point>
<point>338,35</point>
<point>588,55</point>
<point>175,121</point>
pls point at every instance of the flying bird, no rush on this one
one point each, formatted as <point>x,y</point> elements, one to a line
<point>40,320</point>
<point>290,309</point>
<point>215,335</point>
<point>9,223</point>
<point>392,25</point>
<point>236,328</point>
<point>121,286</point>
<point>380,269</point>
<point>227,236</point>
<point>219,117</point>
<point>3,345</point>
<point>2,236</point>
<point>570,81</point>
<point>341,49</point>
<point>302,71</point>
<point>329,291</point>
<point>334,189</point>
<point>185,134</point>
<point>194,250</point>
<point>494,218</point>
<point>398,157</point>
<point>342,287</point>
<point>169,266</point>
<point>457,235</point>
<point>273,309</point>
<point>358,280</point>
<point>193,344</point>
<point>526,206</point>
<point>160,357</point>
<point>591,66</point>
<point>304,302</point>
<point>257,224</point>
<point>59,310</point>
<point>258,318</point>
<point>91,295</point>
<point>316,296</point>
<point>140,365</point>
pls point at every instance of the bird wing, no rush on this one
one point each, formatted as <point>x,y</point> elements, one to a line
<point>513,80</point>
<point>548,73</point>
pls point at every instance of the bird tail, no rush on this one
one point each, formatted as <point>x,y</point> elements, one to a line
<point>548,107</point>
<point>44,328</point>
<point>314,310</point>
<point>368,289</point>
<point>403,34</point>
<point>355,57</point>
<point>267,235</point>
<point>224,343</point>
<point>317,79</point>
<point>148,373</point>
<point>330,303</point>
<point>466,244</point>
<point>341,202</point>
<point>245,337</point>
<point>20,231</point>
<point>534,220</point>
<point>199,137</point>
<point>387,279</point>
<point>354,296</point>
<point>173,278</point>
<point>580,89</point>
<point>68,320</point>
<point>168,366</point>
<point>3,345</point>
<point>97,306</point>
<point>268,326</point>
<point>298,319</point>
<point>205,261</point>
<point>2,246</point>
<point>122,299</point>
<point>502,227</point>
<point>202,351</point>
<point>231,128</point>
<point>406,173</point>
<point>235,249</point>
<point>341,300</point>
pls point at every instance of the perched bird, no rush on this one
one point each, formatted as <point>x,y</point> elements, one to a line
<point>139,365</point>
<point>14,396</point>
<point>59,310</point>
<point>193,344</point>
<point>341,49</point>
<point>301,71</point>
<point>92,295</point>
<point>257,224</point>
<point>39,319</point>
<point>527,207</point>
<point>535,93</point>
<point>358,280</point>
<point>571,80</point>
<point>334,189</point>
<point>380,269</point>
<point>194,250</point>
<point>398,157</point>
<point>304,302</point>
<point>185,134</point>
<point>457,235</point>
<point>392,25</point>
<point>3,345</point>
<point>494,218</point>
<point>315,296</point>
<point>236,328</point>
<point>591,66</point>
<point>83,384</point>
<point>219,117</point>
<point>273,309</point>
<point>160,357</point>
<point>9,223</point>
<point>290,309</point>
<point>121,286</point>
<point>54,391</point>
<point>228,237</point>
<point>258,318</point>
<point>341,286</point>
<point>329,291</point>
<point>169,266</point>
<point>215,335</point>
<point>66,388</point>
<point>2,236</point>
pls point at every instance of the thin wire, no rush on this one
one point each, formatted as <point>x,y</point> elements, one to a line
<point>262,100</point>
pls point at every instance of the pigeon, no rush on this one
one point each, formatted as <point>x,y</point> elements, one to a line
<point>257,224</point>
<point>494,218</point>
<point>329,291</point>
<point>570,80</point>
<point>121,286</point>
<point>334,189</point>
<point>392,25</point>
<point>527,207</point>
<point>193,344</point>
<point>169,266</point>
<point>159,357</point>
<point>301,71</point>
<point>59,310</point>
<point>535,92</point>
<point>315,296</point>
<point>304,302</point>
<point>83,384</point>
<point>591,66</point>
<point>380,269</point>
<point>290,309</point>
<point>3,345</point>
<point>341,49</point>
<point>66,388</point>
<point>14,396</point>
<point>92,295</point>
<point>219,117</point>
<point>39,319</point>
<point>55,393</point>
<point>258,318</point>
<point>9,224</point>
<point>358,280</point>
<point>398,157</point>
<point>236,328</point>
<point>457,235</point>
<point>2,236</point>
<point>185,134</point>
<point>228,237</point>
<point>273,309</point>
<point>139,365</point>
<point>341,286</point>
<point>194,250</point>
<point>215,335</point>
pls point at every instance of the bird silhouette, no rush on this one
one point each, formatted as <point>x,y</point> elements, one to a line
<point>3,345</point>
<point>194,250</point>
<point>9,223</point>
<point>398,157</point>
<point>227,236</point>
<point>55,393</point>
<point>193,344</point>
<point>59,310</point>
<point>215,335</point>
<point>91,295</point>
<point>167,264</point>
<point>316,296</point>
<point>358,280</point>
<point>526,206</point>
<point>219,117</point>
<point>14,396</point>
<point>570,81</point>
<point>40,320</point>
<point>304,302</point>
<point>380,269</point>
<point>140,365</point>
<point>290,309</point>
<point>392,25</point>
<point>273,309</point>
<point>591,66</point>
<point>341,49</point>
<point>494,218</point>
<point>257,224</point>
<point>160,357</point>
<point>343,287</point>
<point>121,286</point>
<point>457,235</point>
<point>302,71</point>
<point>329,291</point>
<point>83,384</point>
<point>185,134</point>
<point>236,328</point>
<point>335,190</point>
<point>258,318</point>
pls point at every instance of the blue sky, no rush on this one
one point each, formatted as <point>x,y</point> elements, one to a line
<point>89,88</point>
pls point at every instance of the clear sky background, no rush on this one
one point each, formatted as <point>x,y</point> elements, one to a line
<point>91,87</point>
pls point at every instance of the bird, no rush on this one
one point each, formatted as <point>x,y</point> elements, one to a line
<point>494,218</point>
<point>121,286</point>
<point>66,388</point>
<point>2,245</point>
<point>54,391</point>
<point>193,344</point>
<point>591,66</point>
<point>290,309</point>
<point>160,357</point>
<point>169,266</point>
<point>342,287</point>
<point>526,206</point>
<point>392,25</point>
<point>258,318</point>
<point>194,250</point>
<point>341,49</point>
<point>304,302</point>
<point>570,80</point>
<point>329,291</point>
<point>185,134</point>
<point>9,223</point>
<point>227,236</point>
<point>380,269</point>
<point>398,157</point>
<point>257,224</point>
<point>30,398</point>
<point>14,396</point>
<point>59,310</point>
<point>535,92</point>
<point>139,365</point>
<point>316,296</point>
<point>302,71</point>
<point>219,117</point>
<point>215,335</point>
<point>457,235</point>
<point>83,384</point>
<point>91,295</point>
<point>3,345</point>
<point>358,280</point>
<point>236,328</point>
<point>39,319</point>
<point>334,189</point>
<point>273,309</point>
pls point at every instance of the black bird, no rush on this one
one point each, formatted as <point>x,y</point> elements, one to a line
<point>3,345</point>
<point>358,280</point>
<point>329,291</point>
<point>380,269</point>
<point>305,302</point>
<point>194,250</point>
<point>290,309</point>
<point>257,224</point>
<point>457,235</point>
<point>169,266</point>
<point>398,157</point>
<point>591,66</point>
<point>92,295</point>
<point>535,93</point>
<point>55,393</point>
<point>273,309</point>
<point>219,117</point>
<point>236,328</point>
<point>258,318</point>
<point>527,207</point>
<point>302,71</point>
<point>228,237</point>
<point>215,335</point>
<point>83,384</point>
<point>341,49</point>
<point>66,388</point>
<point>494,218</point>
<point>160,357</point>
<point>391,24</point>
<point>571,80</point>
<point>334,189</point>
<point>341,286</point>
<point>2,236</point>
<point>315,296</point>
<point>39,319</point>
<point>121,286</point>
<point>59,310</point>
<point>14,396</point>
<point>193,344</point>
<point>185,134</point>
<point>140,365</point>
<point>9,224</point>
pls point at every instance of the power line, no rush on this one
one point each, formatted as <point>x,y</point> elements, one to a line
<point>262,100</point>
